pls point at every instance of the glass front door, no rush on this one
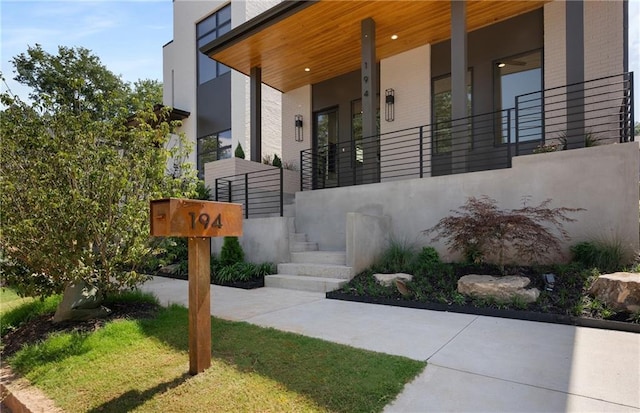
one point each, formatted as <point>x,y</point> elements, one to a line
<point>519,82</point>
<point>325,137</point>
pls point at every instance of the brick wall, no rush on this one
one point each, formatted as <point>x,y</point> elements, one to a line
<point>603,38</point>
<point>555,44</point>
<point>409,74</point>
<point>296,102</point>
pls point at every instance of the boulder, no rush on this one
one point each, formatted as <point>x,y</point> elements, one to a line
<point>80,301</point>
<point>501,288</point>
<point>619,291</point>
<point>389,279</point>
<point>170,269</point>
<point>402,287</point>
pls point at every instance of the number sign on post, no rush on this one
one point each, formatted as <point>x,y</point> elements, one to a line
<point>198,220</point>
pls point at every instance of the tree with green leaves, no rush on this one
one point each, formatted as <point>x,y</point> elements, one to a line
<point>79,164</point>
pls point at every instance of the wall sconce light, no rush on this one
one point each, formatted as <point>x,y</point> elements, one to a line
<point>389,109</point>
<point>298,125</point>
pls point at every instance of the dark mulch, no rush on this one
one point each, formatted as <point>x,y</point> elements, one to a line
<point>563,304</point>
<point>38,328</point>
<point>245,285</point>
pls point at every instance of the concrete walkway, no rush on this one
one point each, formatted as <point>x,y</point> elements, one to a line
<point>475,363</point>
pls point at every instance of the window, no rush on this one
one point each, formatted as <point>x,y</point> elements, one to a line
<point>208,30</point>
<point>212,148</point>
<point>441,100</point>
<point>519,82</point>
<point>356,129</point>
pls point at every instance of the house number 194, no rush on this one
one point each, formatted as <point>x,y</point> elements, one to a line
<point>205,220</point>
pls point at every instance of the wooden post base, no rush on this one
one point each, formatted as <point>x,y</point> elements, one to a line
<point>199,304</point>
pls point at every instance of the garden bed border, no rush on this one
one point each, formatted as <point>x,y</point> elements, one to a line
<point>491,312</point>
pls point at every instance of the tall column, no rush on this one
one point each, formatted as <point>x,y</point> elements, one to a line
<point>459,132</point>
<point>575,74</point>
<point>255,106</point>
<point>369,89</point>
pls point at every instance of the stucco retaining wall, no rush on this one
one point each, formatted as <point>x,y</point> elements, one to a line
<point>603,180</point>
<point>263,240</point>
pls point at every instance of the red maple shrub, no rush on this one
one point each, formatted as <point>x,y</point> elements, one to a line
<point>480,230</point>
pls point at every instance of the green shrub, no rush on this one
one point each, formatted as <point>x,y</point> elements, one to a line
<point>231,251</point>
<point>169,250</point>
<point>590,139</point>
<point>607,257</point>
<point>239,152</point>
<point>398,257</point>
<point>277,162</point>
<point>426,261</point>
<point>202,191</point>
<point>241,271</point>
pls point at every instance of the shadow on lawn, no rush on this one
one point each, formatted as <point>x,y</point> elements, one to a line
<point>340,378</point>
<point>134,398</point>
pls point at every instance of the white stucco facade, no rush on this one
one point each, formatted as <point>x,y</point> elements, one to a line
<point>180,75</point>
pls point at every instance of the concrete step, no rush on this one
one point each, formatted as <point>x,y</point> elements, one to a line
<point>319,257</point>
<point>303,246</point>
<point>317,270</point>
<point>297,282</point>
<point>298,237</point>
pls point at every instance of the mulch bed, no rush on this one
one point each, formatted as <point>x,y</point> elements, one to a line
<point>245,285</point>
<point>38,328</point>
<point>492,312</point>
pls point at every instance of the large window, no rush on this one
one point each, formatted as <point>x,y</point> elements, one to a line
<point>212,148</point>
<point>356,130</point>
<point>208,30</point>
<point>441,100</point>
<point>519,83</point>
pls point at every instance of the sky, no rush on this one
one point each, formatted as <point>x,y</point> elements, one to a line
<point>128,36</point>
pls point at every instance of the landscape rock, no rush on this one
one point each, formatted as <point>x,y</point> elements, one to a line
<point>80,301</point>
<point>619,291</point>
<point>169,269</point>
<point>501,288</point>
<point>402,288</point>
<point>389,279</point>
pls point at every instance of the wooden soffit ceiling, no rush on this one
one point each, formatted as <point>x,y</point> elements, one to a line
<point>324,36</point>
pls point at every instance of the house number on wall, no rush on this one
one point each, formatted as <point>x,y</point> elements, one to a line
<point>204,219</point>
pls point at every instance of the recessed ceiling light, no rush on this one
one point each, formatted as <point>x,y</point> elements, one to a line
<point>306,69</point>
<point>394,36</point>
<point>501,64</point>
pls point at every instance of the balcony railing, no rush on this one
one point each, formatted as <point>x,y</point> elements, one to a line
<point>260,192</point>
<point>595,112</point>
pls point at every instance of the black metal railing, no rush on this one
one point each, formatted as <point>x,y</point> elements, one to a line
<point>595,112</point>
<point>599,111</point>
<point>260,192</point>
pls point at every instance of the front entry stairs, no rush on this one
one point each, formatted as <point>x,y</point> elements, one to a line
<point>310,269</point>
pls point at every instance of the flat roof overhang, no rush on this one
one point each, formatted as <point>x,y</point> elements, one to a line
<point>324,36</point>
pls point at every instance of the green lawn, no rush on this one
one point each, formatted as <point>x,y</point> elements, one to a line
<point>141,365</point>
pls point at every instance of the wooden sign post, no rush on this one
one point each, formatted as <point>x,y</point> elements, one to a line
<point>199,221</point>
